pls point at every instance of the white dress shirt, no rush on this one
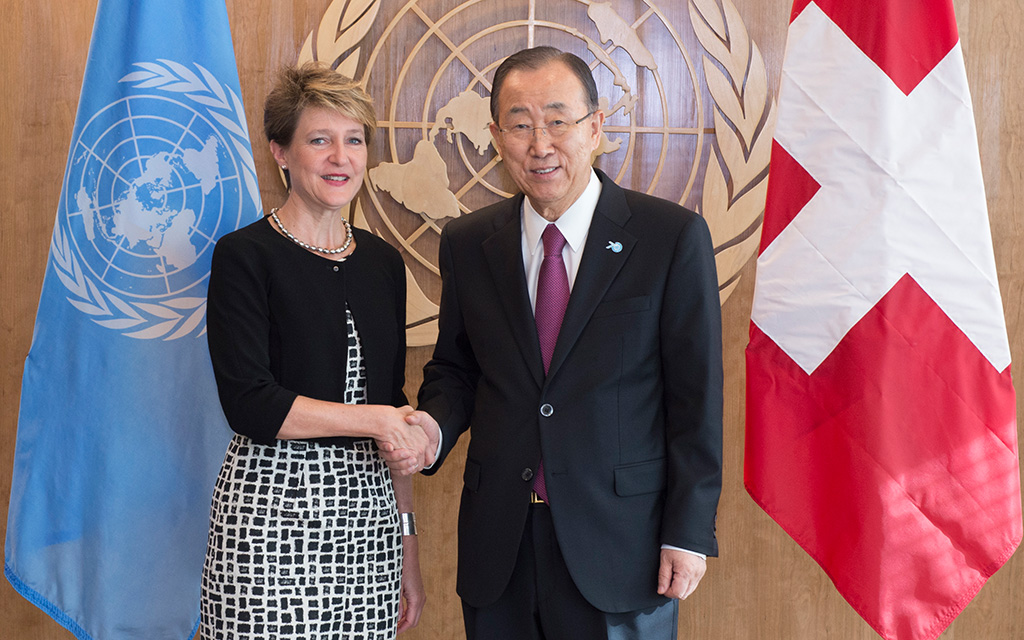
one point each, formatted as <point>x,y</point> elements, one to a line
<point>574,225</point>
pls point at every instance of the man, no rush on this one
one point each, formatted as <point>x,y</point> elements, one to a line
<point>618,419</point>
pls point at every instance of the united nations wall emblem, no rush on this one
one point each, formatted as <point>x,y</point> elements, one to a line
<point>153,179</point>
<point>689,118</point>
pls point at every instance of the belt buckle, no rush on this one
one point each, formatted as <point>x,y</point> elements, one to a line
<point>535,499</point>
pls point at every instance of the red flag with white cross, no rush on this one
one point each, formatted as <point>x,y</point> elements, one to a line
<point>881,420</point>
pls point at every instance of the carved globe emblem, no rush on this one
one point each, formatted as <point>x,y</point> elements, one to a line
<point>429,67</point>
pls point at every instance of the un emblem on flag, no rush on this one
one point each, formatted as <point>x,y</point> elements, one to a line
<point>153,179</point>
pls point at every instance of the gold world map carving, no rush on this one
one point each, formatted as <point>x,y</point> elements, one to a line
<point>428,67</point>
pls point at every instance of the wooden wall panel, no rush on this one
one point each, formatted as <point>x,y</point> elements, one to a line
<point>43,49</point>
<point>763,587</point>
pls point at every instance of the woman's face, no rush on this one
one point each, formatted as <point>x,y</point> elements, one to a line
<point>326,159</point>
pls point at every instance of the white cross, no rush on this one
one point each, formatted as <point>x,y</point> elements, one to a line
<point>901,192</point>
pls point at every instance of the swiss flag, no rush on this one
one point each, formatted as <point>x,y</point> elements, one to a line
<point>881,421</point>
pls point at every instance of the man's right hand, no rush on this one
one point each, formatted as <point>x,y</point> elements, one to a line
<point>406,461</point>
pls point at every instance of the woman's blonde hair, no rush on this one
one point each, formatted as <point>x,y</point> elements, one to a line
<point>313,85</point>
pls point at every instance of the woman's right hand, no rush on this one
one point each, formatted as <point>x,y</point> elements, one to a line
<point>404,436</point>
<point>406,461</point>
<point>394,433</point>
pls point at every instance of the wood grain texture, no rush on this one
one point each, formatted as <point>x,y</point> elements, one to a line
<point>763,587</point>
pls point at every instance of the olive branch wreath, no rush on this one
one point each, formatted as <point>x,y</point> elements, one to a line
<point>343,26</point>
<point>175,317</point>
<point>733,205</point>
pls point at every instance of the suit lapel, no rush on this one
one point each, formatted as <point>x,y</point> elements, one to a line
<point>598,268</point>
<point>504,253</point>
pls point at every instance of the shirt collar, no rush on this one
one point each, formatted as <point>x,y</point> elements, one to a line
<point>573,224</point>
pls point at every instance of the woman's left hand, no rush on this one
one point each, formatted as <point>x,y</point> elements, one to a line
<point>413,594</point>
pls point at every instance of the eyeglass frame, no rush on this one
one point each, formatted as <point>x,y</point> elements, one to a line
<point>529,132</point>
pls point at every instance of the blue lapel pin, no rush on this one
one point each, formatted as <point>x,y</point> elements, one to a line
<point>616,247</point>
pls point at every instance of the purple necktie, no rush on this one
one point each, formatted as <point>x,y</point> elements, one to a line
<point>552,297</point>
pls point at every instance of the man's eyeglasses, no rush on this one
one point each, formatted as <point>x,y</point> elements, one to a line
<point>555,129</point>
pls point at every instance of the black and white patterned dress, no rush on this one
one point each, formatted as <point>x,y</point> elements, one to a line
<point>304,542</point>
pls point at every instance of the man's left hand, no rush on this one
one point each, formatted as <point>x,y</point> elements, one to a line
<point>680,573</point>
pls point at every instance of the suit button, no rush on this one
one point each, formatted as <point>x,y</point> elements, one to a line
<point>527,474</point>
<point>546,410</point>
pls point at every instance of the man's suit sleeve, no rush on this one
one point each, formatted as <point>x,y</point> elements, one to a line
<point>691,346</point>
<point>450,377</point>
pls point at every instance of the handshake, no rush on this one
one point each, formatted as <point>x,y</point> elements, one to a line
<point>408,441</point>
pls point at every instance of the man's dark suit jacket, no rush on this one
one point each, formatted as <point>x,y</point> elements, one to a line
<point>628,418</point>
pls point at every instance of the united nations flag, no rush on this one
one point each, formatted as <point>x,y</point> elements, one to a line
<point>120,434</point>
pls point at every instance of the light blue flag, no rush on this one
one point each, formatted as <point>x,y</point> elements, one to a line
<point>120,433</point>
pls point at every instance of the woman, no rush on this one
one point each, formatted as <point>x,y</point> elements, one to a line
<point>307,339</point>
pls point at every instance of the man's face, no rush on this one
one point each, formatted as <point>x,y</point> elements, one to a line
<point>551,170</point>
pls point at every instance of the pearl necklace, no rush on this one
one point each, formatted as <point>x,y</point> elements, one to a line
<point>310,247</point>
